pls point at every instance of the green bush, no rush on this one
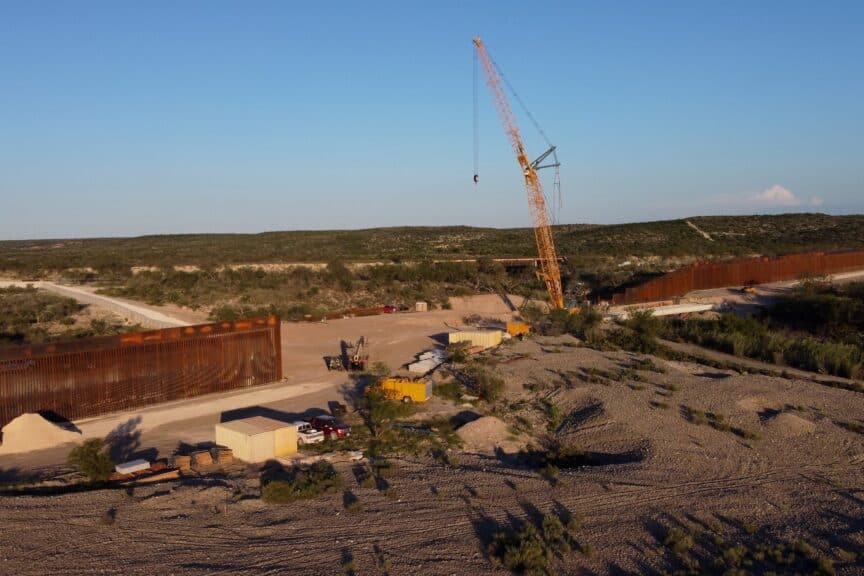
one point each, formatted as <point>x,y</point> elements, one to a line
<point>352,504</point>
<point>649,365</point>
<point>457,353</point>
<point>646,327</point>
<point>531,313</point>
<point>835,346</point>
<point>26,315</point>
<point>591,250</point>
<point>522,552</point>
<point>585,324</point>
<point>826,357</point>
<point>485,384</point>
<point>526,548</point>
<point>379,411</point>
<point>450,390</point>
<point>339,274</point>
<point>853,427</point>
<point>92,460</point>
<point>553,413</point>
<point>302,483</point>
<point>554,533</point>
<point>379,370</point>
<point>678,540</point>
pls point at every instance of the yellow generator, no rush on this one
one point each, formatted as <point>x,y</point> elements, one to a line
<point>407,390</point>
<point>517,328</point>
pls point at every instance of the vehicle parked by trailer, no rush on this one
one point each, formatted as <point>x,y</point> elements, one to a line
<point>306,434</point>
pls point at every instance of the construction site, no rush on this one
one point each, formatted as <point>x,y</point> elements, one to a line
<point>557,428</point>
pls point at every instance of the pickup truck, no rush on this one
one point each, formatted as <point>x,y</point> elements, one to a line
<point>330,427</point>
<point>306,434</point>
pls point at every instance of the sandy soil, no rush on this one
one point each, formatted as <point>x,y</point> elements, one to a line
<point>488,434</point>
<point>395,339</point>
<point>654,467</point>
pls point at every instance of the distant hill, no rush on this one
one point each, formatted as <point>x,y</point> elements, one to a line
<point>675,239</point>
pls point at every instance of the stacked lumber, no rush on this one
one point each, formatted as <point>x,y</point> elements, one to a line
<point>202,458</point>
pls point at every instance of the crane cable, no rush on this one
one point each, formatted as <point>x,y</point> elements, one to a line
<point>519,100</point>
<point>476,124</point>
<point>557,198</point>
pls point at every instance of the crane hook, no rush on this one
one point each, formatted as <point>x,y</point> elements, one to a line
<point>476,178</point>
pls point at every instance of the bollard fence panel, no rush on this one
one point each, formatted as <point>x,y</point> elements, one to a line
<point>719,274</point>
<point>95,376</point>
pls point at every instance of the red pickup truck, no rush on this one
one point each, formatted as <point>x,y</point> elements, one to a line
<point>330,426</point>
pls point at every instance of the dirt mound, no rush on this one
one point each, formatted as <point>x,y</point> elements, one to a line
<point>685,367</point>
<point>787,424</point>
<point>758,404</point>
<point>35,432</point>
<point>491,304</point>
<point>488,433</point>
<point>582,417</point>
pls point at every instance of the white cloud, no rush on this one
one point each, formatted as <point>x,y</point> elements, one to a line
<point>775,199</point>
<point>779,196</point>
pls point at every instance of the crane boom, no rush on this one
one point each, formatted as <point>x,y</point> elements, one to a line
<point>548,256</point>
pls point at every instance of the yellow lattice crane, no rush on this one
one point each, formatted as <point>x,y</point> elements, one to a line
<point>548,257</point>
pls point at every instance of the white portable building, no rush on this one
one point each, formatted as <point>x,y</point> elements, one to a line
<point>257,439</point>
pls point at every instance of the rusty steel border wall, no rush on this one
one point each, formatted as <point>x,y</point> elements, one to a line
<point>95,376</point>
<point>707,275</point>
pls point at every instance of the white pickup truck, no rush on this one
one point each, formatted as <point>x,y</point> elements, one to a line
<point>306,434</point>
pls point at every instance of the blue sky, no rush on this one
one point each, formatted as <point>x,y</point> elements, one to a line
<point>122,118</point>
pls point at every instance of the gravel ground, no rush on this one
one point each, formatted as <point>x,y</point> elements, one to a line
<point>790,472</point>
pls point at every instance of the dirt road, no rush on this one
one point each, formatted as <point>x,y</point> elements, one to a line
<point>763,293</point>
<point>133,312</point>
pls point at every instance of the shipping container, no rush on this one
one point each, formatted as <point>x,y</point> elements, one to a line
<point>481,338</point>
<point>257,439</point>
